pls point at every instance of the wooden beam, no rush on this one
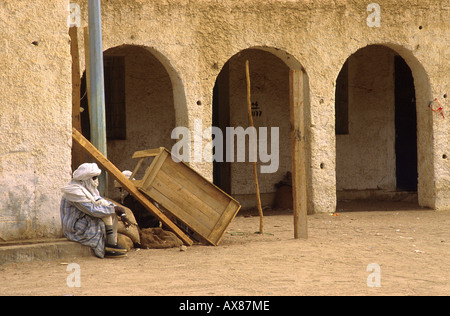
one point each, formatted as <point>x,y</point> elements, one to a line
<point>88,69</point>
<point>127,184</point>
<point>147,153</point>
<point>76,78</point>
<point>77,154</point>
<point>298,153</point>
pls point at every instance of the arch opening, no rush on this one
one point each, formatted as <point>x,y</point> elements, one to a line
<point>142,102</point>
<point>379,127</point>
<point>270,97</point>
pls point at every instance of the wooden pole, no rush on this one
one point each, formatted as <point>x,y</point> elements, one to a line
<point>76,78</point>
<point>88,69</point>
<point>298,153</point>
<point>255,170</point>
<point>77,154</point>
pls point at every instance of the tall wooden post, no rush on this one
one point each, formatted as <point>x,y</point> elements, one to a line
<point>77,154</point>
<point>97,85</point>
<point>298,151</point>
<point>88,71</point>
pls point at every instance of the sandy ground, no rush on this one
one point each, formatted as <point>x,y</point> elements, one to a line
<point>411,247</point>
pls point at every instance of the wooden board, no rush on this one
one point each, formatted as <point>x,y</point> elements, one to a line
<point>128,185</point>
<point>77,154</point>
<point>192,199</point>
<point>298,139</point>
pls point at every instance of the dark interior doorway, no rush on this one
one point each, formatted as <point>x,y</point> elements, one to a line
<point>221,119</point>
<point>405,127</point>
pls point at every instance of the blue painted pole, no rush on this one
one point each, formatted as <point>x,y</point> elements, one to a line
<point>97,86</point>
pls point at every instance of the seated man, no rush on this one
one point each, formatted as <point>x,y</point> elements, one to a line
<point>89,219</point>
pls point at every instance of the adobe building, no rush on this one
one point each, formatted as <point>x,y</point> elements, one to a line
<point>375,76</point>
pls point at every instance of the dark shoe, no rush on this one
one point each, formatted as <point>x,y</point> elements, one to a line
<point>114,254</point>
<point>115,248</point>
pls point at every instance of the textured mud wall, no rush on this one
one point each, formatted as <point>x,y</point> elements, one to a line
<point>35,116</point>
<point>193,40</point>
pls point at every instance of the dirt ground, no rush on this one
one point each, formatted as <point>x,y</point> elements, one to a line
<point>411,247</point>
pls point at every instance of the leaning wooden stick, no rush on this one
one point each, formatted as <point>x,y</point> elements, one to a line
<point>255,172</point>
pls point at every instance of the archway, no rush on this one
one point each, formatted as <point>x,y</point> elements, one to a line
<point>140,105</point>
<point>379,127</point>
<point>270,86</point>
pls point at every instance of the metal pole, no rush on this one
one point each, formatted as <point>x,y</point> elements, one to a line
<point>97,85</point>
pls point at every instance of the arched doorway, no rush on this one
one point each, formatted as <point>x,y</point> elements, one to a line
<point>270,87</point>
<point>139,105</point>
<point>377,127</point>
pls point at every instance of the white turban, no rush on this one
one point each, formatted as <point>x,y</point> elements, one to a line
<point>83,188</point>
<point>86,171</point>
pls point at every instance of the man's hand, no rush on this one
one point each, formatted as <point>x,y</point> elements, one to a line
<point>120,211</point>
<point>125,221</point>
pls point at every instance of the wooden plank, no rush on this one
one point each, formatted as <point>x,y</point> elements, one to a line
<point>175,210</point>
<point>185,171</point>
<point>197,186</point>
<point>298,153</point>
<point>202,177</point>
<point>188,188</point>
<point>77,154</point>
<point>147,153</point>
<point>128,185</point>
<point>76,78</point>
<point>153,170</point>
<point>224,221</point>
<point>183,196</point>
<point>88,68</point>
<point>138,166</point>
